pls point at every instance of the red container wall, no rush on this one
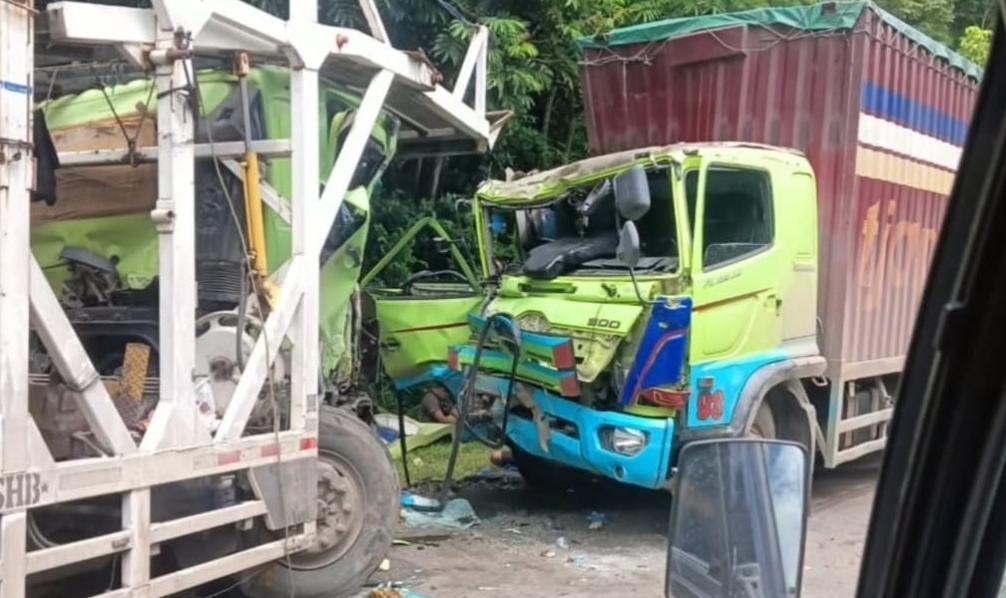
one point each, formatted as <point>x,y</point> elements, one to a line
<point>915,111</point>
<point>807,91</point>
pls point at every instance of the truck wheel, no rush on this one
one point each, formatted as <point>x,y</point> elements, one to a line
<point>358,507</point>
<point>764,423</point>
<point>542,475</point>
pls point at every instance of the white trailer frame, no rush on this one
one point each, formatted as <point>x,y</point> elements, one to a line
<point>176,446</point>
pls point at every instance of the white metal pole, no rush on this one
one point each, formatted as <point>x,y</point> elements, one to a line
<point>349,154</point>
<point>16,180</point>
<point>175,217</point>
<point>304,133</point>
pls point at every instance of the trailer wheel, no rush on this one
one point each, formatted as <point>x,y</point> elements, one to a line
<point>763,425</point>
<point>358,506</point>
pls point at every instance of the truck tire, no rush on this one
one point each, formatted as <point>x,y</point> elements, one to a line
<point>541,475</point>
<point>355,470</point>
<point>763,425</point>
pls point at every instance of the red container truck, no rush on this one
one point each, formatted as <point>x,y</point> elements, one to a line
<point>880,110</point>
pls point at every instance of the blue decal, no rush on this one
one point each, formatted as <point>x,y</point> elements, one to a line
<point>728,377</point>
<point>586,448</point>
<point>13,87</point>
<point>547,340</point>
<point>437,373</point>
<point>529,369</point>
<point>889,105</point>
<point>660,359</point>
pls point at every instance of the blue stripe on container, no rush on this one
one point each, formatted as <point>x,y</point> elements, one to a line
<point>889,105</point>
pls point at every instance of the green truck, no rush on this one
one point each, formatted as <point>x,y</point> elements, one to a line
<point>742,257</point>
<point>98,247</point>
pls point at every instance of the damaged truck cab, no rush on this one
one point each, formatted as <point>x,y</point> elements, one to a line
<point>772,292</point>
<point>640,331</point>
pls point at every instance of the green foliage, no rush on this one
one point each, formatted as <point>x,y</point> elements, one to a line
<point>975,44</point>
<point>394,213</point>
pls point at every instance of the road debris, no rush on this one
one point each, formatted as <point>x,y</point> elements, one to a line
<point>457,514</point>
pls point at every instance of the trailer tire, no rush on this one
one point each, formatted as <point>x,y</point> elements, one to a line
<point>363,464</point>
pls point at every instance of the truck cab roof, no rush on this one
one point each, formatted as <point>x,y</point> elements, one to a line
<point>526,189</point>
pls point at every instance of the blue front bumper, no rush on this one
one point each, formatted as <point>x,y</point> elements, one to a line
<point>587,447</point>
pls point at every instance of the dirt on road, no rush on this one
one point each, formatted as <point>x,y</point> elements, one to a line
<point>544,546</point>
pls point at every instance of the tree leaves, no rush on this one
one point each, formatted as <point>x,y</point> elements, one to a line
<point>975,44</point>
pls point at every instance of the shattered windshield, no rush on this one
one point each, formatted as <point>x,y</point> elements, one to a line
<point>577,233</point>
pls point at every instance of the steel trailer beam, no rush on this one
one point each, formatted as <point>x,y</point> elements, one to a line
<point>176,446</point>
<point>17,35</point>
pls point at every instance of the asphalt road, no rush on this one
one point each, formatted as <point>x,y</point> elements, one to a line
<point>542,547</point>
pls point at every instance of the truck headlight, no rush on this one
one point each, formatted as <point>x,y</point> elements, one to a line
<point>626,441</point>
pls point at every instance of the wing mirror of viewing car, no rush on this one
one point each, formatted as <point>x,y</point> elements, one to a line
<point>632,193</point>
<point>738,520</point>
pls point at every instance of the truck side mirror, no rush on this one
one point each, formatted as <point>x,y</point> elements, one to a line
<point>632,193</point>
<point>628,251</point>
<point>738,520</point>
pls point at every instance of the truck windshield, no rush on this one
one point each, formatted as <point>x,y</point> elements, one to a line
<point>578,233</point>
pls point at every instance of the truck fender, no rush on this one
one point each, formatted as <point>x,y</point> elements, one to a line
<point>781,377</point>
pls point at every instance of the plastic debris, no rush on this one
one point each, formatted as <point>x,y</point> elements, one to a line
<point>562,543</point>
<point>419,503</point>
<point>385,565</point>
<point>548,554</point>
<point>597,520</point>
<point>457,514</point>
<point>391,589</point>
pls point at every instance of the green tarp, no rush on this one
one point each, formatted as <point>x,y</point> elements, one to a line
<point>828,16</point>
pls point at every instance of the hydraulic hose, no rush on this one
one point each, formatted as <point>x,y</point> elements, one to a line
<point>468,385</point>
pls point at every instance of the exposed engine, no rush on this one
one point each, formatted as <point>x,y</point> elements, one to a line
<point>113,321</point>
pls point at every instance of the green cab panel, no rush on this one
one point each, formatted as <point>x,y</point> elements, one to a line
<point>416,332</point>
<point>596,313</point>
<point>419,321</point>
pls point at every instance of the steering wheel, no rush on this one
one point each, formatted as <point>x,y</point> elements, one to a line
<point>430,274</point>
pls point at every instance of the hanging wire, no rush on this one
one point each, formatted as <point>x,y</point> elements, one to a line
<point>454,12</point>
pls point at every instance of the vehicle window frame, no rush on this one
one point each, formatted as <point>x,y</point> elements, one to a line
<point>698,242</point>
<point>941,479</point>
<point>668,172</point>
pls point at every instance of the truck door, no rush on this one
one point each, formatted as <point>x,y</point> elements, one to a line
<point>418,320</point>
<point>735,261</point>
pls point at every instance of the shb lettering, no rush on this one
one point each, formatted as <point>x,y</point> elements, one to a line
<point>19,490</point>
